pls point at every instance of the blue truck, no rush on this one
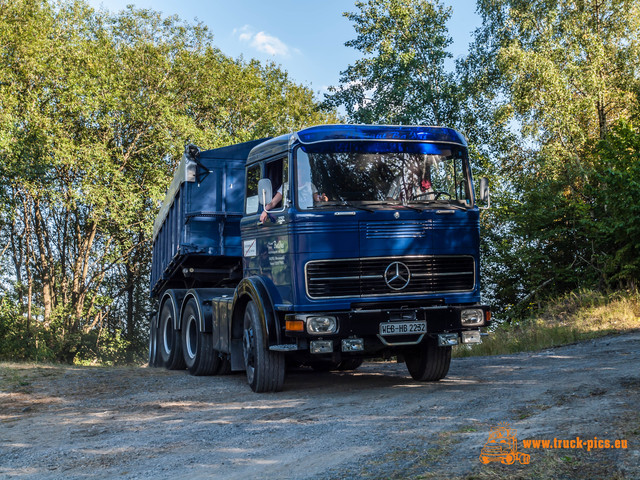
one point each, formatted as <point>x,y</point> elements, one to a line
<point>323,247</point>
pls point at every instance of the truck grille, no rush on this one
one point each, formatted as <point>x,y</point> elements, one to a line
<point>366,277</point>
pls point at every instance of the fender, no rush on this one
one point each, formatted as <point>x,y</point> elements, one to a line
<point>256,289</point>
<point>205,314</point>
<point>154,318</point>
<point>207,300</point>
<point>174,296</point>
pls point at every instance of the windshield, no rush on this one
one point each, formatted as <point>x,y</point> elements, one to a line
<point>359,173</point>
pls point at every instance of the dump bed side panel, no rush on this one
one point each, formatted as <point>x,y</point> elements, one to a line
<point>197,231</point>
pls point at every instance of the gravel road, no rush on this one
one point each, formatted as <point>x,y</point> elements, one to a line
<point>140,423</point>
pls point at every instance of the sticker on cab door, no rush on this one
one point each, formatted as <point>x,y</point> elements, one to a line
<point>249,248</point>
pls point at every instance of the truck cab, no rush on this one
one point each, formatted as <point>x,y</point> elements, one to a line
<point>356,242</point>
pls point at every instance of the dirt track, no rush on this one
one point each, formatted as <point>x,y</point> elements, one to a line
<point>72,422</point>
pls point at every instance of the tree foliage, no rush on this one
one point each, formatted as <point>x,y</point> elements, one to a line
<point>95,109</point>
<point>564,75</point>
<point>401,78</point>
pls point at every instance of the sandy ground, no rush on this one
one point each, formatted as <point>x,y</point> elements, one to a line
<point>141,423</point>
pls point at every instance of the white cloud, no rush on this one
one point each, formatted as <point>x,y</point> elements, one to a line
<point>245,37</point>
<point>263,42</point>
<point>269,44</point>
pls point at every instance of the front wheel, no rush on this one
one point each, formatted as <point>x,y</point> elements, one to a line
<point>265,369</point>
<point>429,362</point>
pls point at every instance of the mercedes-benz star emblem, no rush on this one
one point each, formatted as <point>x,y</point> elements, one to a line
<point>397,276</point>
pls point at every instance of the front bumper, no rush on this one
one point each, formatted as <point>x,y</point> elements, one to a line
<point>364,325</point>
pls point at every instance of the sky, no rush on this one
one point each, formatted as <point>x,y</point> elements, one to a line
<point>305,37</point>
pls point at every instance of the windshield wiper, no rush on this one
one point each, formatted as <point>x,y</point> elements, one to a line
<point>341,204</point>
<point>396,204</point>
<point>440,202</point>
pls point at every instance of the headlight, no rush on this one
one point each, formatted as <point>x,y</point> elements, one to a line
<point>319,325</point>
<point>472,317</point>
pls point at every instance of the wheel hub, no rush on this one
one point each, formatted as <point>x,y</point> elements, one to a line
<point>191,337</point>
<point>249,353</point>
<point>248,348</point>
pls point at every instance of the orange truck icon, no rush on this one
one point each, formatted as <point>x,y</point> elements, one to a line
<point>502,446</point>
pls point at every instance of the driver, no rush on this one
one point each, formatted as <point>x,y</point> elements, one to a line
<point>307,192</point>
<point>415,182</point>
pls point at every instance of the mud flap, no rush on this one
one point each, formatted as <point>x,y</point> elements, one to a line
<point>237,358</point>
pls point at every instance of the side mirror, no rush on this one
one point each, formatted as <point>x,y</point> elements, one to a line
<point>483,193</point>
<point>265,191</point>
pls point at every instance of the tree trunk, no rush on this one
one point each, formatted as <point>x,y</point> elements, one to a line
<point>45,265</point>
<point>80,273</point>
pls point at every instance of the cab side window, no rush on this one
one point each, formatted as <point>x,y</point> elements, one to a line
<point>251,194</point>
<point>276,171</point>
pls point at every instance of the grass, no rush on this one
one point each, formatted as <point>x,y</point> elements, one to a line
<point>572,318</point>
<point>414,462</point>
<point>19,377</point>
<point>548,465</point>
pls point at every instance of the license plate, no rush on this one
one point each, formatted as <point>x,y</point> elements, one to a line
<point>403,328</point>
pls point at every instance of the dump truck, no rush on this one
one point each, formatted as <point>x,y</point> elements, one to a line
<point>320,248</point>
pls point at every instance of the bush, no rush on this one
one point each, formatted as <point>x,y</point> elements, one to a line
<point>572,317</point>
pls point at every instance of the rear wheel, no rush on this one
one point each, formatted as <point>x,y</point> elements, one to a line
<point>169,341</point>
<point>265,368</point>
<point>197,346</point>
<point>429,362</point>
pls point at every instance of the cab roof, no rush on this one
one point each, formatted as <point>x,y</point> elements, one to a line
<point>332,133</point>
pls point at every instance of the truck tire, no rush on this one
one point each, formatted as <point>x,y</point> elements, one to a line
<point>169,340</point>
<point>265,369</point>
<point>153,344</point>
<point>429,362</point>
<point>197,346</point>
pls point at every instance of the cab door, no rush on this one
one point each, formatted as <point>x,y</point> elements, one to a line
<point>265,245</point>
<point>272,235</point>
<point>250,220</point>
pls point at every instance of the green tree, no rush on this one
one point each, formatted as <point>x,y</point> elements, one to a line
<point>616,208</point>
<point>561,74</point>
<point>95,111</point>
<point>401,78</point>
